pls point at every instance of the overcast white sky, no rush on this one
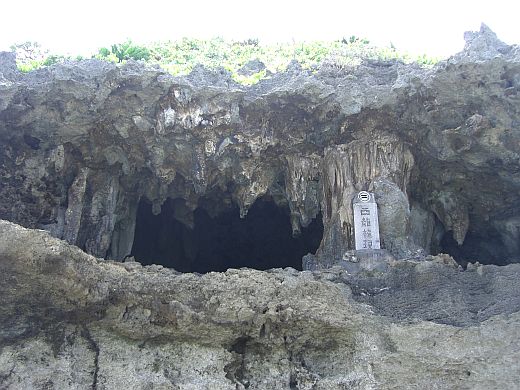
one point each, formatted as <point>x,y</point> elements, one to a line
<point>434,27</point>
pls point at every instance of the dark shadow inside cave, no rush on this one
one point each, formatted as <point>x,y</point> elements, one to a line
<point>487,249</point>
<point>262,240</point>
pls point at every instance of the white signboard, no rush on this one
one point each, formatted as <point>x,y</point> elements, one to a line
<point>366,223</point>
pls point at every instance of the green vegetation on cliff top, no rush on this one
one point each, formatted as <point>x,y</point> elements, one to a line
<point>180,57</point>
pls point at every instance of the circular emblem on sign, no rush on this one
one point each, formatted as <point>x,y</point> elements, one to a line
<point>364,196</point>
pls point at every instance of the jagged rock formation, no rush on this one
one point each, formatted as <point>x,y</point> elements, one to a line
<point>102,156</point>
<point>84,142</point>
<point>68,320</point>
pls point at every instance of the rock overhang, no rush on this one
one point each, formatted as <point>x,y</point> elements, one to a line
<point>86,141</point>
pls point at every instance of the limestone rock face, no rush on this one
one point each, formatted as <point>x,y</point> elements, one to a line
<point>84,142</point>
<point>69,320</point>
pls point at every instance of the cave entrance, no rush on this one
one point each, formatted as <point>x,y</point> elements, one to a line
<point>486,249</point>
<point>262,240</point>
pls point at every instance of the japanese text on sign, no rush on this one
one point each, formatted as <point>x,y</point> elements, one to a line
<point>366,223</point>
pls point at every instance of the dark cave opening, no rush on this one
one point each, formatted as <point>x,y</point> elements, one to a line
<point>262,240</point>
<point>488,249</point>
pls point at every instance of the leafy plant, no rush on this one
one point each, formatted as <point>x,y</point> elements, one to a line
<point>53,59</point>
<point>179,57</point>
<point>353,39</point>
<point>125,51</point>
<point>29,55</point>
<point>249,80</point>
<point>29,51</point>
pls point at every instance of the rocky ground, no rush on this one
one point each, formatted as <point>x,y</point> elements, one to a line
<point>69,320</point>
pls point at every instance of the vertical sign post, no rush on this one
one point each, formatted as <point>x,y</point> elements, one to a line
<point>366,223</point>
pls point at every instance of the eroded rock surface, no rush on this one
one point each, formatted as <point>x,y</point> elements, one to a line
<point>69,320</point>
<point>89,147</point>
<point>84,142</point>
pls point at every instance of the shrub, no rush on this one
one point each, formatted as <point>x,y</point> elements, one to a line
<point>179,57</point>
<point>125,51</point>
